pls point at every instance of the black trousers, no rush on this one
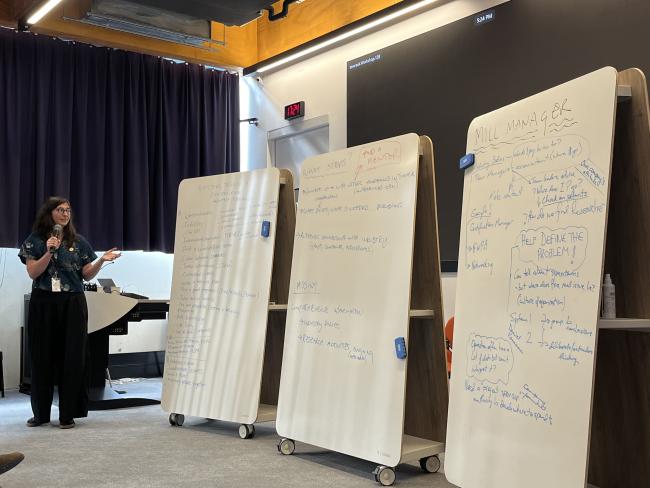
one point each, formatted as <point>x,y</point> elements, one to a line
<point>58,343</point>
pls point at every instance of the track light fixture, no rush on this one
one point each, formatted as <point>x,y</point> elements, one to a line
<point>36,14</point>
<point>382,17</point>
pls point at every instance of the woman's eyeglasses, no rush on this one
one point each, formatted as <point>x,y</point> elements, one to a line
<point>64,211</point>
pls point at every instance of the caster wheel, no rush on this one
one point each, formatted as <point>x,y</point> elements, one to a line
<point>384,475</point>
<point>430,464</point>
<point>286,446</point>
<point>176,419</point>
<point>246,431</point>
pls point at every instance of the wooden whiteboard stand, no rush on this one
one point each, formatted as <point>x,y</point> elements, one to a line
<point>286,224</point>
<point>426,393</point>
<point>269,379</point>
<point>620,429</point>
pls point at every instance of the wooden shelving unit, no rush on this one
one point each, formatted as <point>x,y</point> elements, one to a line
<point>620,425</point>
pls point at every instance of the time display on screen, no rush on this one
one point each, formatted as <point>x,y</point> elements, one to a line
<point>294,110</point>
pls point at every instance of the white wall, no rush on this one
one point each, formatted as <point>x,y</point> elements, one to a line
<point>147,274</point>
<point>321,82</point>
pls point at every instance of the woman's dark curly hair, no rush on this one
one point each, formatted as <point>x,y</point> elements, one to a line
<point>43,224</point>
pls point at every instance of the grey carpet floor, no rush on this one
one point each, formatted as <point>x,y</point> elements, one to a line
<point>136,447</point>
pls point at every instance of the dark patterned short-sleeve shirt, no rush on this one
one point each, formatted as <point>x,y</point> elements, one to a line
<point>66,263</point>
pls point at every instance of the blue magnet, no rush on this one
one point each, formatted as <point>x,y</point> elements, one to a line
<point>266,228</point>
<point>466,161</point>
<point>400,347</point>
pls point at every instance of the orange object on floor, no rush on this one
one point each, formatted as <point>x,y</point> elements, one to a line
<point>449,340</point>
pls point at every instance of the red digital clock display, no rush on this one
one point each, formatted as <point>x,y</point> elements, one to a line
<point>294,110</point>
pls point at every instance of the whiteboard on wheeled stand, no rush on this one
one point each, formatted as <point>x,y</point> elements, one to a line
<point>342,385</point>
<point>220,295</point>
<point>527,302</point>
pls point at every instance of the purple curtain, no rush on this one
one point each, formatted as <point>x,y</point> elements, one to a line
<point>112,130</point>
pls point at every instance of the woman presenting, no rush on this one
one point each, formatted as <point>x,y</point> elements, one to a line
<point>58,260</point>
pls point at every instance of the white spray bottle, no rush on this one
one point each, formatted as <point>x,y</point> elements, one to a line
<point>609,298</point>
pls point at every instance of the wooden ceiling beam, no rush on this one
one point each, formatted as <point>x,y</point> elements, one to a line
<point>311,19</point>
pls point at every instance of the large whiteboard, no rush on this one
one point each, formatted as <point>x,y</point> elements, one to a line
<point>527,302</point>
<point>342,385</point>
<point>220,295</point>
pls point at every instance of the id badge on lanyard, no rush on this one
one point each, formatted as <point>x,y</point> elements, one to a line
<point>56,281</point>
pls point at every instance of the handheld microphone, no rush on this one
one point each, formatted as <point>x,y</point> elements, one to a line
<point>57,231</point>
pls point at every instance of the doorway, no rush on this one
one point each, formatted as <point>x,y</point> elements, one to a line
<point>289,146</point>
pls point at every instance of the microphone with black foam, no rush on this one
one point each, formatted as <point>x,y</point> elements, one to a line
<point>57,231</point>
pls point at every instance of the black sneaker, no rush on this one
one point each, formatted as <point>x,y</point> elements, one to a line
<point>66,424</point>
<point>33,422</point>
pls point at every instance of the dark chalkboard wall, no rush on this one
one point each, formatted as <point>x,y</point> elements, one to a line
<point>436,83</point>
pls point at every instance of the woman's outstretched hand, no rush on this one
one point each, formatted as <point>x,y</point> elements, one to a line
<point>111,255</point>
